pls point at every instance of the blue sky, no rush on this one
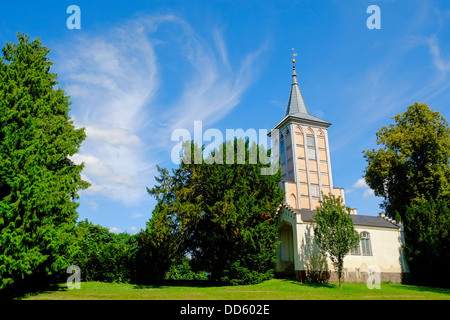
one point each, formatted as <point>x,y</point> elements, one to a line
<point>138,70</point>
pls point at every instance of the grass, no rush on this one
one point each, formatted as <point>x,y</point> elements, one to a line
<point>275,289</point>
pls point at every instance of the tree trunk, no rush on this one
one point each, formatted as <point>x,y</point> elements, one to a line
<point>340,269</point>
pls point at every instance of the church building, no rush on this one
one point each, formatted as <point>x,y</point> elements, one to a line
<point>306,167</point>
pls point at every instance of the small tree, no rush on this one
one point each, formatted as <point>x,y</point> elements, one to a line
<point>334,232</point>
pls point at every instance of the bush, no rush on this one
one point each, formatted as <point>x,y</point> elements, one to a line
<point>183,271</point>
<point>240,275</point>
<point>104,256</point>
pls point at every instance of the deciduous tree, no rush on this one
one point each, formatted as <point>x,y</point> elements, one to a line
<point>413,162</point>
<point>334,232</point>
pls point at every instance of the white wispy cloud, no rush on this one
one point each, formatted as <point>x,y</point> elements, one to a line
<point>389,86</point>
<point>111,79</point>
<point>136,215</point>
<point>368,193</point>
<point>115,230</point>
<point>221,46</point>
<point>361,184</point>
<point>114,78</point>
<point>442,64</point>
<point>214,88</point>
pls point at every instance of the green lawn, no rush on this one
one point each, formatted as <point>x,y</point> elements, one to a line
<point>270,290</point>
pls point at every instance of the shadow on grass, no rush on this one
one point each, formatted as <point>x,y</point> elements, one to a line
<point>312,285</point>
<point>425,289</point>
<point>24,292</point>
<point>179,283</point>
<point>206,283</point>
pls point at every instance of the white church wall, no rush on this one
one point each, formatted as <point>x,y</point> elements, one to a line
<point>386,253</point>
<point>308,253</point>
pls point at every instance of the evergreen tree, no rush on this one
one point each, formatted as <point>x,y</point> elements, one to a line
<point>38,181</point>
<point>225,214</point>
<point>427,242</point>
<point>159,245</point>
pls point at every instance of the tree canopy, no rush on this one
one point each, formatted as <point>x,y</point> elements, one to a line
<point>38,181</point>
<point>413,162</point>
<point>223,216</point>
<point>334,232</point>
<point>412,172</point>
<point>427,242</point>
<point>104,255</point>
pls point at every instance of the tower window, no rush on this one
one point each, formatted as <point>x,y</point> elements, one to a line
<point>282,152</point>
<point>310,141</point>
<point>311,144</point>
<point>311,153</point>
<point>315,192</point>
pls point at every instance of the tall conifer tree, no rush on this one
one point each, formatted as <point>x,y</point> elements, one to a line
<point>38,181</point>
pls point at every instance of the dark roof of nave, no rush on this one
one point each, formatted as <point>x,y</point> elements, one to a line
<point>358,220</point>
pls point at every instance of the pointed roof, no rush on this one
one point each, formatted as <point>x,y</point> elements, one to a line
<point>296,106</point>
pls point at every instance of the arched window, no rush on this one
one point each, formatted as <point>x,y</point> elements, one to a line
<point>298,129</point>
<point>293,201</point>
<point>365,244</point>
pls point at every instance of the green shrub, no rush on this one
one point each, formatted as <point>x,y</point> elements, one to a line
<point>183,271</point>
<point>104,256</point>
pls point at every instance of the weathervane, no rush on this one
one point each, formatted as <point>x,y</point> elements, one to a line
<point>293,55</point>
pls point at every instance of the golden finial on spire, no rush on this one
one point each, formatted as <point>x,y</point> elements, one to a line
<point>294,55</point>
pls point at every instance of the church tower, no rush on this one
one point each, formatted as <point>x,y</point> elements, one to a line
<point>304,153</point>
